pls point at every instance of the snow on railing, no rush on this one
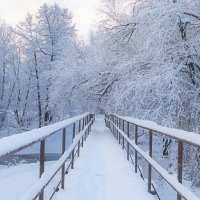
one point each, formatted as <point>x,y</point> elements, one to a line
<point>17,142</point>
<point>186,137</point>
<point>40,185</point>
<point>117,126</point>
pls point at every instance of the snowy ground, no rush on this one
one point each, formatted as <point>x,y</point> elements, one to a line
<point>102,171</point>
<point>16,180</point>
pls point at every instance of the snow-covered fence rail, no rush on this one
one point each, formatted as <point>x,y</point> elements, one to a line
<point>117,126</point>
<point>18,142</point>
<point>38,188</point>
<point>15,143</point>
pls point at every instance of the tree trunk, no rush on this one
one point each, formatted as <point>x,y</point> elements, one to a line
<point>38,91</point>
<point>3,80</point>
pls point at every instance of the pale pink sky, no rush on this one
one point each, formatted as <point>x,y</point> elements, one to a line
<point>84,12</point>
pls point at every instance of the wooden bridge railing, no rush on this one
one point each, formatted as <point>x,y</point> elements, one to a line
<point>117,125</point>
<point>81,126</point>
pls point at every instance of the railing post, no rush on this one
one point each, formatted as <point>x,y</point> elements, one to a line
<point>83,126</point>
<point>88,127</point>
<point>149,167</point>
<point>83,123</point>
<point>79,130</point>
<point>73,136</point>
<point>42,160</point>
<point>115,124</point>
<point>119,128</point>
<point>63,151</point>
<point>136,142</point>
<point>180,165</point>
<point>86,130</point>
<point>92,121</point>
<point>113,127</point>
<point>127,141</point>
<point>123,136</point>
<point>108,123</point>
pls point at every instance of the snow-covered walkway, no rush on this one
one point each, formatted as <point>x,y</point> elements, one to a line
<point>102,171</point>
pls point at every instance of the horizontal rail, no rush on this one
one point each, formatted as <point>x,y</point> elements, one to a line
<point>47,176</point>
<point>171,180</point>
<point>18,142</point>
<point>181,135</point>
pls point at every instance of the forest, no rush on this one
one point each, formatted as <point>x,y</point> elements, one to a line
<point>143,61</point>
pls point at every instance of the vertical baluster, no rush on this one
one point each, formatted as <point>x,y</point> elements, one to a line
<point>136,142</point>
<point>111,125</point>
<point>123,136</point>
<point>106,120</point>
<point>119,126</point>
<point>115,123</point>
<point>42,160</point>
<point>113,120</point>
<point>114,126</point>
<point>92,119</point>
<point>127,141</point>
<point>110,118</point>
<point>83,125</point>
<point>72,154</point>
<point>149,166</point>
<point>180,164</point>
<point>79,130</point>
<point>86,130</point>
<point>63,151</point>
<point>89,129</point>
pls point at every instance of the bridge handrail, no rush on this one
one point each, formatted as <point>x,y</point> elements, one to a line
<point>113,122</point>
<point>177,134</point>
<point>18,142</point>
<point>47,176</point>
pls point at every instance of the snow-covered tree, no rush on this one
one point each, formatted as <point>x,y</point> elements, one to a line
<point>45,39</point>
<point>55,32</point>
<point>155,47</point>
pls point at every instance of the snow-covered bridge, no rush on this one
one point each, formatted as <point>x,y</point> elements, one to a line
<point>102,170</point>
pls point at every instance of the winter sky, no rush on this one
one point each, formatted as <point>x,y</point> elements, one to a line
<point>84,12</point>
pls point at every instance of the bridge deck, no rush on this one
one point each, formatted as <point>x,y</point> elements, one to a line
<point>102,171</point>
